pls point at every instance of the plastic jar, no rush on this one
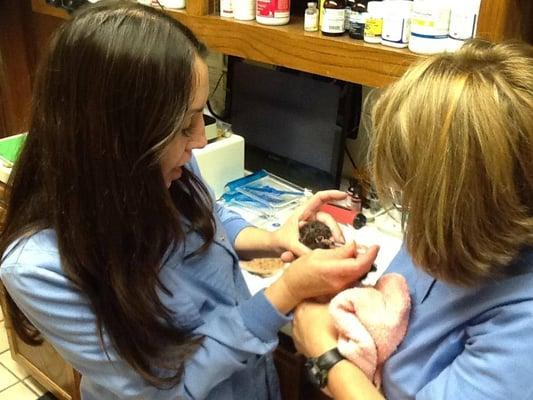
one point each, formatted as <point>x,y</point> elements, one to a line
<point>374,22</point>
<point>463,22</point>
<point>333,18</point>
<point>396,22</point>
<point>429,27</point>
<point>244,10</point>
<point>226,8</point>
<point>273,12</point>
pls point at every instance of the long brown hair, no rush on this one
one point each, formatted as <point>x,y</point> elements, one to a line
<point>111,92</point>
<point>455,137</point>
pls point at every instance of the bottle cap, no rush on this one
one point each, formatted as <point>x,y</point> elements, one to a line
<point>311,4</point>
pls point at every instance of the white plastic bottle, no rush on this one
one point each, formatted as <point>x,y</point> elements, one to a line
<point>273,12</point>
<point>430,20</point>
<point>243,10</point>
<point>226,8</point>
<point>311,18</point>
<point>374,22</point>
<point>463,22</point>
<point>396,23</point>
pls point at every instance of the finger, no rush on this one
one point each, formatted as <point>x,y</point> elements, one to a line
<point>287,257</point>
<point>355,268</point>
<point>299,249</point>
<point>328,219</point>
<point>320,198</point>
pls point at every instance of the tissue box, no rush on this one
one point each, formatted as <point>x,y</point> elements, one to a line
<point>221,161</point>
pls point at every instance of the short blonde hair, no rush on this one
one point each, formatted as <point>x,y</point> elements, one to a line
<point>455,136</point>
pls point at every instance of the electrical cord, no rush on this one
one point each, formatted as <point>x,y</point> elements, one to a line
<point>350,157</point>
<point>224,116</point>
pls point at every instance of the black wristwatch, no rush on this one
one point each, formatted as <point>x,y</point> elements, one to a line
<point>318,368</point>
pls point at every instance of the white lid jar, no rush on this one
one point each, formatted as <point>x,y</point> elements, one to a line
<point>374,21</point>
<point>273,12</point>
<point>463,22</point>
<point>396,23</point>
<point>430,20</point>
<point>244,10</point>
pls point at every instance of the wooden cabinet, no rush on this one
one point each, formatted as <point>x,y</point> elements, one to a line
<point>287,46</point>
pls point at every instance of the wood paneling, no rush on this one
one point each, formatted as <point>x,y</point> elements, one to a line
<point>16,86</point>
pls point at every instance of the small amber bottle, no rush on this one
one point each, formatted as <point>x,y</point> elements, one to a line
<point>333,17</point>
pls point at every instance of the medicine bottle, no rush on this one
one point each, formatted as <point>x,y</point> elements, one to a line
<point>347,12</point>
<point>358,18</point>
<point>226,8</point>
<point>311,18</point>
<point>273,12</point>
<point>374,21</point>
<point>243,10</point>
<point>333,18</point>
<point>396,23</point>
<point>463,22</point>
<point>430,20</point>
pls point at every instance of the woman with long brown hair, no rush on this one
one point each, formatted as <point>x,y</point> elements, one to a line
<point>454,138</point>
<point>113,249</point>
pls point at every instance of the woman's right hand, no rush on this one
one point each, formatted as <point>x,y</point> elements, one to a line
<point>320,272</point>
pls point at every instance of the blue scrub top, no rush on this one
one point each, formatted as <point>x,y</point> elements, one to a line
<point>210,298</point>
<point>465,343</point>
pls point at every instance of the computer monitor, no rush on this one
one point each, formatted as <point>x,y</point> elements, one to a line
<point>294,124</point>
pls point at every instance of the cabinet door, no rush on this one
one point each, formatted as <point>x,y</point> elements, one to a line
<point>291,373</point>
<point>43,362</point>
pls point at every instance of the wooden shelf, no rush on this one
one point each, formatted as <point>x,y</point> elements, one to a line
<point>342,58</point>
<point>290,46</point>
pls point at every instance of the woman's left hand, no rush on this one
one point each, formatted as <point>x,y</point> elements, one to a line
<point>288,236</point>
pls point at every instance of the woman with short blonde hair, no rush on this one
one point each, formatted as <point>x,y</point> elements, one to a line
<point>453,144</point>
<point>454,136</point>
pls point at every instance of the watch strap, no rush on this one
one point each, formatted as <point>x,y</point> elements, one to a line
<point>318,368</point>
<point>327,360</point>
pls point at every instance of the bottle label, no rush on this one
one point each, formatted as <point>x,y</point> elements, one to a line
<point>395,29</point>
<point>347,14</point>
<point>462,25</point>
<point>333,21</point>
<point>357,25</point>
<point>273,8</point>
<point>226,8</point>
<point>311,22</point>
<point>373,27</point>
<point>430,23</point>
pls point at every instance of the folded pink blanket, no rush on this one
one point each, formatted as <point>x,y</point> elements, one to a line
<point>372,322</point>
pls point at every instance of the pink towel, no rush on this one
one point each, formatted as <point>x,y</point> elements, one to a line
<point>372,322</point>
